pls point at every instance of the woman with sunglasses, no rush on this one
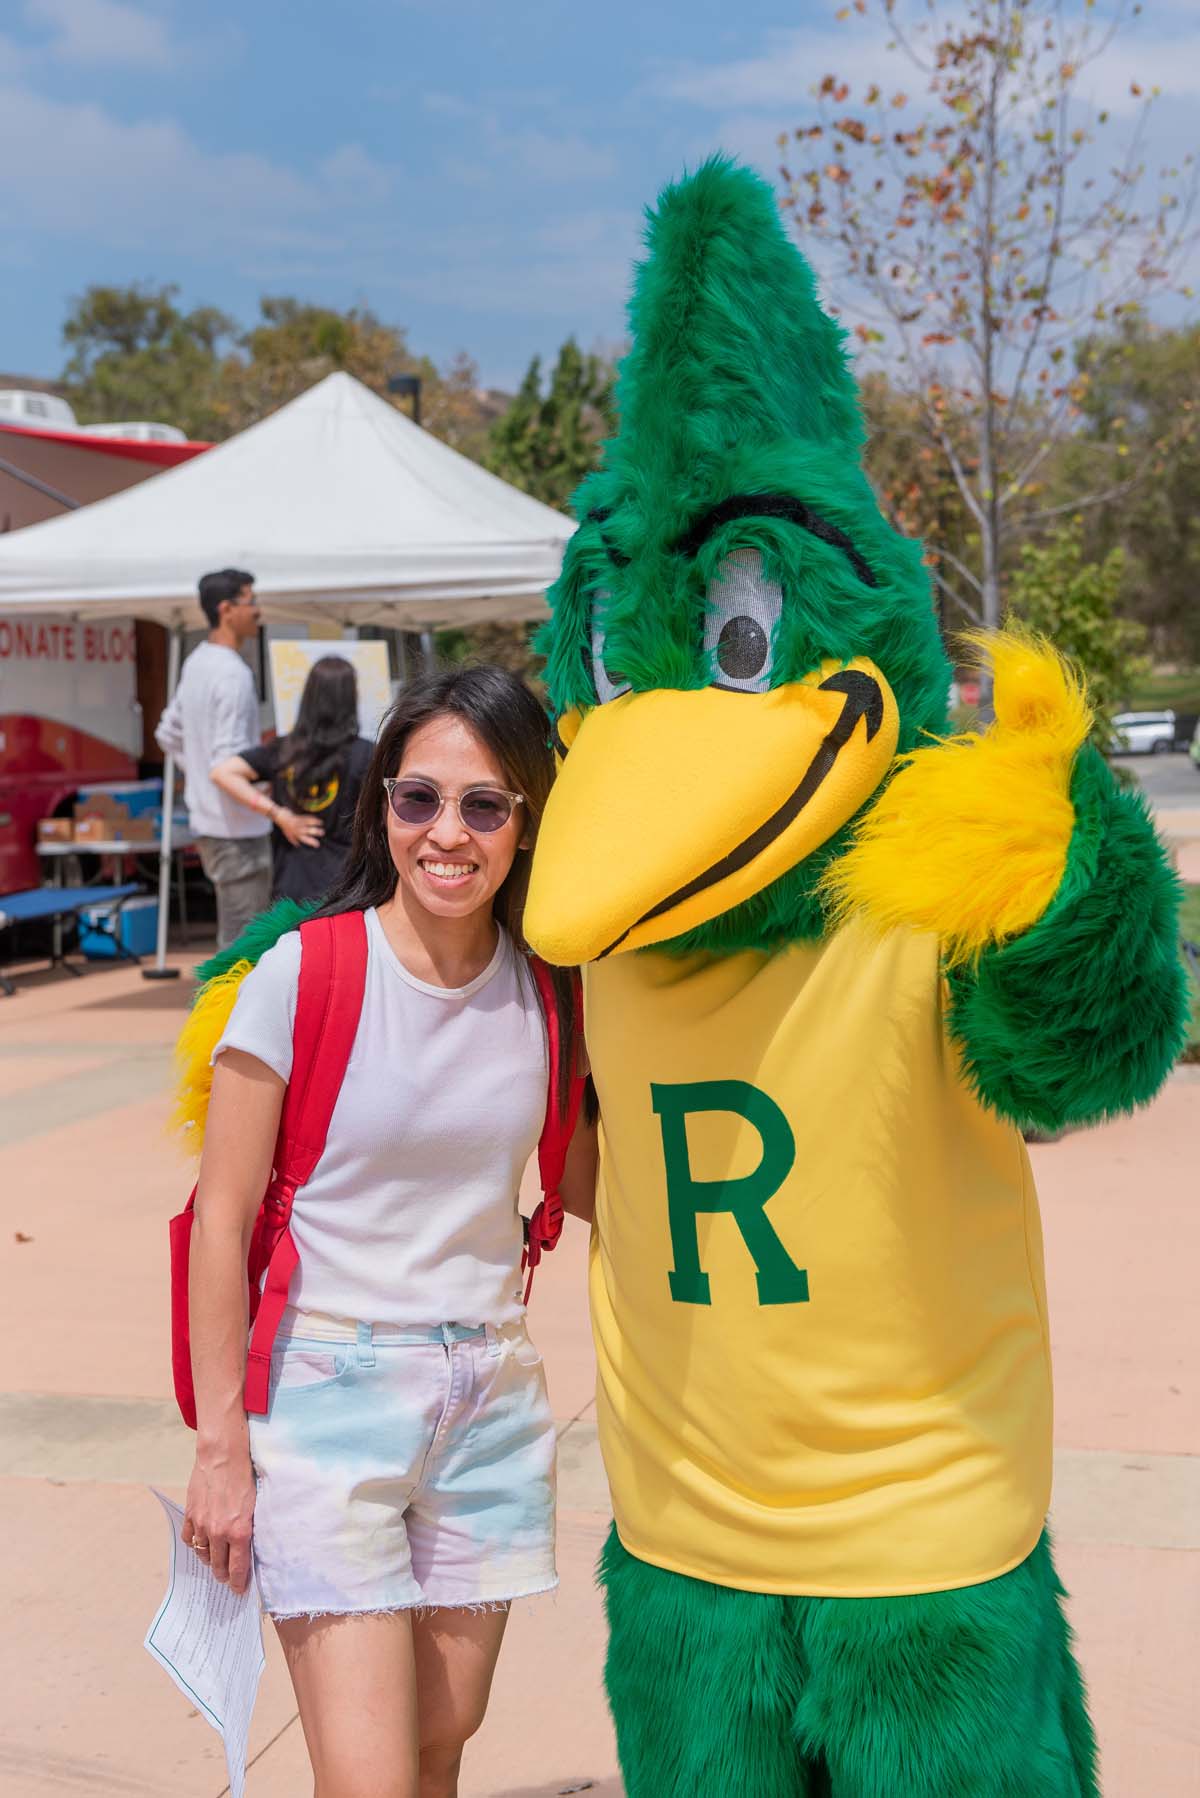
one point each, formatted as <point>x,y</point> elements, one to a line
<point>401,1487</point>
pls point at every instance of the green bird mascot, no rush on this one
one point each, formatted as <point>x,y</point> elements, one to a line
<point>833,959</point>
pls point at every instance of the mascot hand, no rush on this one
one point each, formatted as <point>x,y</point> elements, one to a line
<point>1055,903</point>
<point>970,839</point>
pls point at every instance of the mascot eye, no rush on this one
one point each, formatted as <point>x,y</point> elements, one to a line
<point>743,610</point>
<point>609,685</point>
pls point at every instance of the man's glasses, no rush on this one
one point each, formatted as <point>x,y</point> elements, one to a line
<point>480,809</point>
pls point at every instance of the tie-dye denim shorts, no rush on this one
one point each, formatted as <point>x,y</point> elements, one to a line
<point>400,1468</point>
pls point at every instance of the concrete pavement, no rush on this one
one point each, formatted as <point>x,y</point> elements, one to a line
<point>88,1177</point>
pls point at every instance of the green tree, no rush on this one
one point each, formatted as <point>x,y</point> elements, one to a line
<point>294,345</point>
<point>1077,604</point>
<point>1138,450</point>
<point>135,355</point>
<point>547,441</point>
<point>544,443</point>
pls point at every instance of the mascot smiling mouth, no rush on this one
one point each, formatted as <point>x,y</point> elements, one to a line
<point>743,786</point>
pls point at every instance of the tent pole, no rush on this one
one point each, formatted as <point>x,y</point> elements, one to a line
<point>428,653</point>
<point>20,474</point>
<point>160,970</point>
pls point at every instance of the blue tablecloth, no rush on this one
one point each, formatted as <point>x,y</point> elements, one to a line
<point>57,902</point>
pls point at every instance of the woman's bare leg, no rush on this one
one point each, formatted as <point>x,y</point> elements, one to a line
<point>356,1688</point>
<point>455,1652</point>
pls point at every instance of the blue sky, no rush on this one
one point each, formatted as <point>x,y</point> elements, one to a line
<point>475,170</point>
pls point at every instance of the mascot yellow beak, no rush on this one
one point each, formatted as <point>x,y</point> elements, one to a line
<point>672,807</point>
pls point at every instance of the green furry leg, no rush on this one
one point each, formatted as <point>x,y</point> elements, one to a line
<point>972,1692</point>
<point>703,1683</point>
<point>965,1694</point>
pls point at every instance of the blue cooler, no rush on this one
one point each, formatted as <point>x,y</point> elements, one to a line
<point>136,927</point>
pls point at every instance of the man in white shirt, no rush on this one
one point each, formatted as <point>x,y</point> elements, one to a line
<point>214,715</point>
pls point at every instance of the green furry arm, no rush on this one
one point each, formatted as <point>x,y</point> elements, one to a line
<point>261,934</point>
<point>1083,1014</point>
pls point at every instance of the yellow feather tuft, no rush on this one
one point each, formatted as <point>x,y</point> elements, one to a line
<point>969,841</point>
<point>193,1052</point>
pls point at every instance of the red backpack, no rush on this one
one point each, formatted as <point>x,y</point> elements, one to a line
<point>333,972</point>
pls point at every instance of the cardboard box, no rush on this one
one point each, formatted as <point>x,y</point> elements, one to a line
<point>55,830</point>
<point>134,831</point>
<point>95,830</point>
<point>100,805</point>
<point>139,830</point>
<point>101,816</point>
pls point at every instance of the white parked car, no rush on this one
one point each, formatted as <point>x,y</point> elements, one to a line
<point>1145,733</point>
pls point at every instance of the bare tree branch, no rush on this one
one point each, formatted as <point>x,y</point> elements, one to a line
<point>974,238</point>
<point>966,606</point>
<point>960,568</point>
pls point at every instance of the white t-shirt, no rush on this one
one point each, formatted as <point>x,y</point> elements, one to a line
<point>213,715</point>
<point>411,1214</point>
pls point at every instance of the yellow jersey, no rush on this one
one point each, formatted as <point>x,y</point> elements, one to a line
<point>816,1276</point>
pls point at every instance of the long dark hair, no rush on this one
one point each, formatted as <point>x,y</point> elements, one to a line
<point>504,715</point>
<point>318,746</point>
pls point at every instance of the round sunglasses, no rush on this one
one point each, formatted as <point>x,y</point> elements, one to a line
<point>481,810</point>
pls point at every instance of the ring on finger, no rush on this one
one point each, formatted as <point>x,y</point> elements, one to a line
<point>200,1548</point>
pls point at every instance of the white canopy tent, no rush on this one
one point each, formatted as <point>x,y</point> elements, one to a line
<point>346,512</point>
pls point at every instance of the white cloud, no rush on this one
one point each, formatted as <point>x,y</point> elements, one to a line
<point>446,106</point>
<point>783,76</point>
<point>466,171</point>
<point>1162,60</point>
<point>531,155</point>
<point>138,186</point>
<point>550,158</point>
<point>354,177</point>
<point>147,188</point>
<point>103,31</point>
<point>12,58</point>
<point>511,101</point>
<point>575,267</point>
<point>1158,50</point>
<point>750,137</point>
<point>584,230</point>
<point>488,150</point>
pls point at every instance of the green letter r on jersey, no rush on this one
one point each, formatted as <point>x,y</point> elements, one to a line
<point>780,1281</point>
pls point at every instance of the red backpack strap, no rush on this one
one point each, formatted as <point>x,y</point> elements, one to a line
<point>545,1226</point>
<point>333,974</point>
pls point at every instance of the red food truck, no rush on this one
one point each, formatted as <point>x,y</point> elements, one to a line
<point>78,700</point>
<point>69,714</point>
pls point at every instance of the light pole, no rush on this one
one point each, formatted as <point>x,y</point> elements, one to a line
<point>411,386</point>
<point>160,970</point>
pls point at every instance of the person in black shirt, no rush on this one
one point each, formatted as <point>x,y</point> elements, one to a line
<point>313,777</point>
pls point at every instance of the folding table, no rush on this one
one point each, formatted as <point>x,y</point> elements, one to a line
<point>54,904</point>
